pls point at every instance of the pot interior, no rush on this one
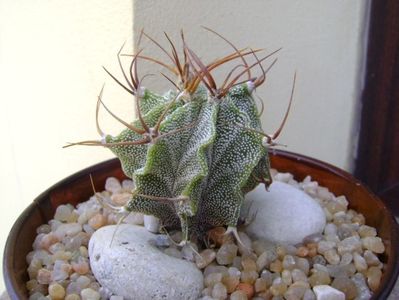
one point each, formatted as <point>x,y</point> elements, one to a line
<point>77,188</point>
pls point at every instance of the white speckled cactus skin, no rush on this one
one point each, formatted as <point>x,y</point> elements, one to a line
<point>193,153</point>
<point>208,166</point>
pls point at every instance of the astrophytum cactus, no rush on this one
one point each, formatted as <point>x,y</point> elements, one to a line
<point>195,151</point>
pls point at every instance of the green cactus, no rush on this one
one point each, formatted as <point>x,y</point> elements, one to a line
<point>193,153</point>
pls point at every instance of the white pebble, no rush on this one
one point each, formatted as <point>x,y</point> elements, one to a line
<point>326,292</point>
<point>90,294</point>
<point>151,223</point>
<point>113,185</point>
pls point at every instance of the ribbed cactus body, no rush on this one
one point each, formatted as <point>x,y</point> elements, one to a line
<point>195,174</point>
<point>195,151</point>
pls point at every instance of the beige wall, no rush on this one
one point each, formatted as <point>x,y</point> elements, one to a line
<point>50,68</point>
<point>51,53</point>
<point>322,40</point>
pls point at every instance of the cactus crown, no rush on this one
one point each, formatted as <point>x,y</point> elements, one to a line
<point>195,151</point>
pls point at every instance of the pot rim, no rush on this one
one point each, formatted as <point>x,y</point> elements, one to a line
<point>8,255</point>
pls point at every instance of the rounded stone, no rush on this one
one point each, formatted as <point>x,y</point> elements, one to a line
<point>132,258</point>
<point>280,210</point>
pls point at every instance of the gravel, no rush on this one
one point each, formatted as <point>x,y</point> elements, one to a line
<point>345,256</point>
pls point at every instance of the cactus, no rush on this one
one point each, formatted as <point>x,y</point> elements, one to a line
<point>193,152</point>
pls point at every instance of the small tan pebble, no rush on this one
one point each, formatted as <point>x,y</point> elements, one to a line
<point>371,258</point>
<point>45,228</point>
<point>373,278</point>
<point>332,257</point>
<point>56,291</point>
<point>207,291</point>
<point>268,276</point>
<point>276,266</point>
<point>121,199</point>
<point>286,277</point>
<point>248,264</point>
<point>72,297</point>
<point>226,254</point>
<point>128,185</point>
<point>205,258</point>
<point>247,288</point>
<point>212,279</point>
<point>374,244</point>
<point>350,244</point>
<point>97,221</point>
<point>289,262</point>
<point>298,275</point>
<point>31,284</point>
<point>281,252</point>
<point>238,295</point>
<point>261,246</point>
<point>113,185</point>
<point>345,285</point>
<point>264,260</point>
<point>295,291</point>
<point>83,281</point>
<point>365,231</point>
<point>81,266</point>
<point>278,287</point>
<point>319,278</point>
<point>346,259</point>
<point>73,217</point>
<point>62,213</point>
<point>44,276</point>
<point>340,218</point>
<point>261,285</point>
<point>219,291</point>
<point>335,206</point>
<point>303,264</point>
<point>62,255</point>
<point>302,251</point>
<point>359,219</point>
<point>231,282</point>
<point>34,267</point>
<point>112,219</point>
<point>249,276</point>
<point>284,177</point>
<point>83,251</point>
<point>312,249</point>
<point>324,246</point>
<point>360,262</point>
<point>215,269</point>
<point>48,240</point>
<point>324,194</point>
<point>232,271</point>
<point>237,263</point>
<point>329,216</point>
<point>90,294</point>
<point>217,235</point>
<point>266,295</point>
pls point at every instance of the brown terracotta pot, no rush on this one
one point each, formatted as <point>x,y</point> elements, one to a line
<point>77,188</point>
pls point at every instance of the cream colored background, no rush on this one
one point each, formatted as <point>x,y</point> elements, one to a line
<point>51,53</point>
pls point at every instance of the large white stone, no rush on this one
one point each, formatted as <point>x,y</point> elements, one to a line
<point>284,214</point>
<point>135,269</point>
<point>326,292</point>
